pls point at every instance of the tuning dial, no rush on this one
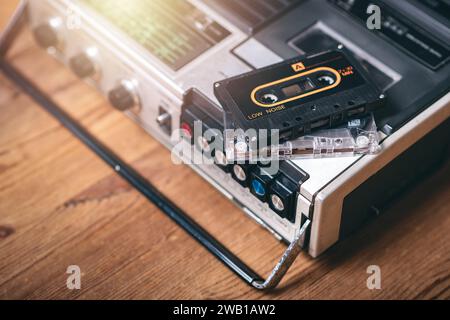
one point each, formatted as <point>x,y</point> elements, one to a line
<point>123,96</point>
<point>83,65</point>
<point>47,34</point>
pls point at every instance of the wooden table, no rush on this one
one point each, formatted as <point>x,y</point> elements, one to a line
<point>60,205</point>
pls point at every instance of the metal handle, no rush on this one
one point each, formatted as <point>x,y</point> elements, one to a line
<point>147,189</point>
<point>286,260</point>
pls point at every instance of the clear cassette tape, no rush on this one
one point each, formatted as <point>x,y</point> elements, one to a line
<point>358,136</point>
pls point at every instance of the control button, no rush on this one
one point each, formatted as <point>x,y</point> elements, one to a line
<point>241,173</point>
<point>83,66</point>
<point>163,118</point>
<point>258,188</point>
<point>186,131</point>
<point>203,144</point>
<point>221,158</point>
<point>277,202</point>
<point>47,34</point>
<point>283,195</point>
<point>208,140</point>
<point>261,179</point>
<point>123,97</point>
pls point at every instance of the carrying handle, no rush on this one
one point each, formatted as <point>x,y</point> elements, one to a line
<point>147,189</point>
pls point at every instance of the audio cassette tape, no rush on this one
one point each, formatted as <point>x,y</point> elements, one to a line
<point>298,96</point>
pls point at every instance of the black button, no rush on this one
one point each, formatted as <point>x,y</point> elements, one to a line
<point>241,173</point>
<point>82,65</point>
<point>209,139</point>
<point>283,196</point>
<point>46,36</point>
<point>121,98</point>
<point>220,160</point>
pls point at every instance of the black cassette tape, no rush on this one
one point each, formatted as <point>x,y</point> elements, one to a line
<point>299,95</point>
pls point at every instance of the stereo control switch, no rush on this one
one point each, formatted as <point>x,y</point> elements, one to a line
<point>164,120</point>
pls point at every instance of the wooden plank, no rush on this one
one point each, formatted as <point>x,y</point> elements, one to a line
<point>6,10</point>
<point>60,205</point>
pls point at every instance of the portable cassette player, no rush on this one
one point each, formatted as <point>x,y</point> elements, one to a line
<point>158,61</point>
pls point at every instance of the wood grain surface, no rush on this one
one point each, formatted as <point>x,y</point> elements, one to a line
<point>60,205</point>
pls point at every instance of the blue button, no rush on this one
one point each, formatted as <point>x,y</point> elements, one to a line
<point>258,188</point>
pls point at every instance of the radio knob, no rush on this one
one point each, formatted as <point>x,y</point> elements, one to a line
<point>82,65</point>
<point>46,35</point>
<point>123,97</point>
